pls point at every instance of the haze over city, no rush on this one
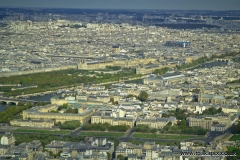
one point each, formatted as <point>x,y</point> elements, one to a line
<point>128,4</point>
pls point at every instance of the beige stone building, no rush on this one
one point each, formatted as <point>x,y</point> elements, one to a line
<point>126,148</point>
<point>207,120</point>
<point>156,122</point>
<point>120,62</point>
<point>230,110</point>
<point>83,99</point>
<point>114,117</point>
<point>3,149</point>
<point>112,120</point>
<point>88,148</point>
<point>208,98</point>
<point>43,113</point>
<point>58,101</point>
<point>218,127</point>
<point>32,123</point>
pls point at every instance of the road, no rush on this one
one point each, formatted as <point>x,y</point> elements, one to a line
<point>76,131</point>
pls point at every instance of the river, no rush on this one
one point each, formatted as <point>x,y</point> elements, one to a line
<point>211,64</point>
<point>47,97</point>
<point>3,107</point>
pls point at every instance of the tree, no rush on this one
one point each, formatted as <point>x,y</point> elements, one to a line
<point>186,82</point>
<point>183,123</point>
<point>212,111</point>
<point>161,71</point>
<point>236,128</point>
<point>169,123</point>
<point>70,125</point>
<point>59,153</point>
<point>129,96</point>
<point>142,128</point>
<point>58,124</point>
<point>143,96</point>
<point>106,126</point>
<point>70,110</point>
<point>108,155</point>
<point>112,100</point>
<point>121,157</point>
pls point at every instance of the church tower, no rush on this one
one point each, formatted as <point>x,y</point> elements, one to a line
<point>83,64</point>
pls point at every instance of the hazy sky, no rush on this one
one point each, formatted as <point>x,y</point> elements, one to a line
<point>127,4</point>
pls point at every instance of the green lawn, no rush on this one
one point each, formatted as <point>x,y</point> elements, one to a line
<point>43,131</point>
<point>235,137</point>
<point>102,134</point>
<point>165,136</point>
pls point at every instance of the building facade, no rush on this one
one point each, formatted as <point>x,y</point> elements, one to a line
<point>206,122</point>
<point>32,123</point>
<point>42,113</point>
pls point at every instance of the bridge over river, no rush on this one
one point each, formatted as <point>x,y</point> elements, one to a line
<point>15,101</point>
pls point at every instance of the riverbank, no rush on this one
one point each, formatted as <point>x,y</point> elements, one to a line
<point>40,98</point>
<point>209,65</point>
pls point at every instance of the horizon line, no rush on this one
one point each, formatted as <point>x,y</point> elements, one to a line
<point>20,7</point>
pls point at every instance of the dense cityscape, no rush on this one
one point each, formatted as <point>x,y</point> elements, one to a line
<point>101,84</point>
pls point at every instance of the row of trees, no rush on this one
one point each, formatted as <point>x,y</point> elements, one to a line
<point>194,63</point>
<point>105,127</point>
<point>212,111</point>
<point>205,59</point>
<point>161,71</point>
<point>6,88</point>
<point>182,128</point>
<point>115,68</point>
<point>186,130</point>
<point>52,80</point>
<point>144,129</point>
<point>45,138</point>
<point>180,114</point>
<point>70,125</point>
<point>10,113</point>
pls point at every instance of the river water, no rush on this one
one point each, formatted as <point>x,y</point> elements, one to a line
<point>47,97</point>
<point>211,64</point>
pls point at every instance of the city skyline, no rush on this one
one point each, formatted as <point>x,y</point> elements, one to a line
<point>126,4</point>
